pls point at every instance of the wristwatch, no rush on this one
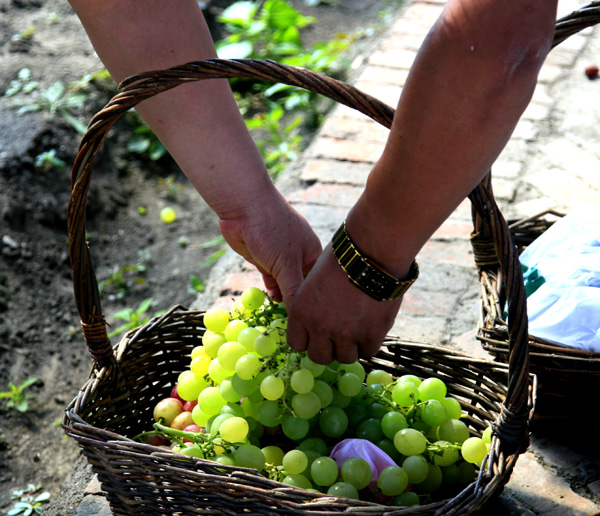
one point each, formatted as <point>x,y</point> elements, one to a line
<point>366,275</point>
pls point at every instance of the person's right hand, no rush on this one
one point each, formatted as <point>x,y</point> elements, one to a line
<point>277,240</point>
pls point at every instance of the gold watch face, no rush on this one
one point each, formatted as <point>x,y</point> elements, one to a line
<point>366,275</point>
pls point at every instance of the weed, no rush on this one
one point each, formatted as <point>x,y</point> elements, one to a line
<point>121,278</point>
<point>57,99</point>
<point>17,398</point>
<point>280,146</point>
<point>133,318</point>
<point>22,84</point>
<point>144,141</point>
<point>30,501</point>
<point>196,284</point>
<point>48,160</point>
<point>170,185</point>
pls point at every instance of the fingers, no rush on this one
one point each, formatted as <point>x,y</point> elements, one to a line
<point>272,287</point>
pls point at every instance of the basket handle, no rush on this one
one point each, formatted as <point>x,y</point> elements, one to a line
<point>142,86</point>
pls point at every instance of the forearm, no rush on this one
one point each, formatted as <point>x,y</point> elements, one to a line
<point>470,83</point>
<point>199,123</point>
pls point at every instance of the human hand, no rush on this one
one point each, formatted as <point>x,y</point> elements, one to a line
<point>331,318</point>
<point>277,240</point>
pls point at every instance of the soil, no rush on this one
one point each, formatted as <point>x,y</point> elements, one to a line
<point>39,325</point>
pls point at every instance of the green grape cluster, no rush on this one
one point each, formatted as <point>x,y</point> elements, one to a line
<point>250,400</point>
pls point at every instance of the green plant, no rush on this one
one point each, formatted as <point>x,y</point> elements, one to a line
<point>170,185</point>
<point>121,278</point>
<point>262,30</point>
<point>278,145</point>
<point>57,99</point>
<point>144,141</point>
<point>270,29</point>
<point>17,398</point>
<point>30,501</point>
<point>196,284</point>
<point>48,160</point>
<point>133,318</point>
<point>22,84</point>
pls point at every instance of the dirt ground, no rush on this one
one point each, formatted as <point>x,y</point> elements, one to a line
<point>39,334</point>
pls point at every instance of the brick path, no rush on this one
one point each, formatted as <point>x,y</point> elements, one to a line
<point>549,163</point>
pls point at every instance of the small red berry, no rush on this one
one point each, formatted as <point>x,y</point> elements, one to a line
<point>591,72</point>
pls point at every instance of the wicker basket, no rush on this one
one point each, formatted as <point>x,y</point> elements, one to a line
<point>127,380</point>
<point>568,379</point>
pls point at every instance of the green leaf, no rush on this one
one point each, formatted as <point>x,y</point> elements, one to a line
<point>28,383</point>
<point>144,305</point>
<point>119,329</point>
<point>213,258</point>
<point>80,127</point>
<point>212,242</point>
<point>42,497</point>
<point>54,92</point>
<point>238,13</point>
<point>23,406</point>
<point>138,144</point>
<point>15,511</point>
<point>124,314</point>
<point>29,108</point>
<point>239,50</point>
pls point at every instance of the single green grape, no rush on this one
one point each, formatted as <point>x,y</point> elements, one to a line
<point>216,319</point>
<point>265,344</point>
<point>454,431</point>
<point>333,421</point>
<point>190,387</point>
<point>211,401</point>
<point>212,343</point>
<point>416,467</point>
<point>234,429</point>
<point>453,408</point>
<point>324,392</point>
<point>409,441</point>
<point>249,456</point>
<point>294,462</point>
<point>343,489</point>
<point>273,455</point>
<point>407,499</point>
<point>324,471</point>
<point>302,381</point>
<point>432,389</point>
<point>349,384</point>
<point>474,450</point>
<point>379,376</point>
<point>306,405</point>
<point>199,365</point>
<point>294,427</point>
<point>405,394</point>
<point>233,329</point>
<point>253,298</point>
<point>392,481</point>
<point>272,387</point>
<point>247,336</point>
<point>393,422</point>
<point>229,353</point>
<point>247,366</point>
<point>357,472</point>
<point>433,413</point>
